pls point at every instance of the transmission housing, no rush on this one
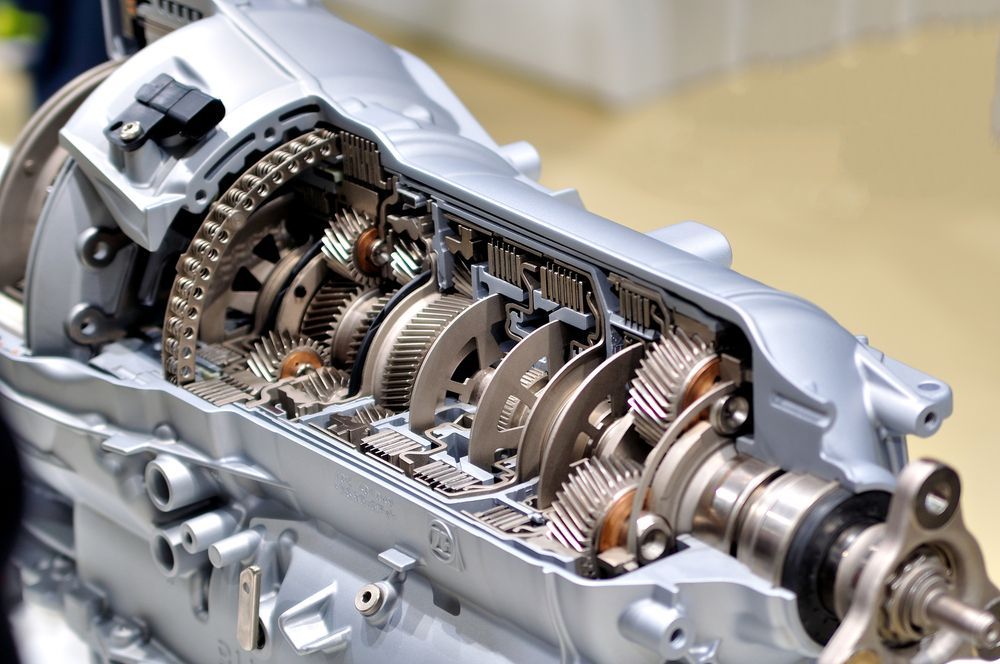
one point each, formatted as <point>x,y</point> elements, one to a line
<point>305,367</point>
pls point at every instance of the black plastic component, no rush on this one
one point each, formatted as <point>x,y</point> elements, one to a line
<point>166,112</point>
<point>809,571</point>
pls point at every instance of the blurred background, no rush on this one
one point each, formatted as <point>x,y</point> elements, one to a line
<point>845,147</point>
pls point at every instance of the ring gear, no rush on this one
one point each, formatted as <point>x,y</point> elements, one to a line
<point>515,412</point>
<point>413,343</point>
<point>675,370</point>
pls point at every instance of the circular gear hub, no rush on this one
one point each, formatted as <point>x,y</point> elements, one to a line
<point>350,245</point>
<point>280,355</point>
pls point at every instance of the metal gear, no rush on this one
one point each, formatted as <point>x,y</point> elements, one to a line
<point>312,392</point>
<point>675,371</point>
<point>198,269</point>
<point>342,246</point>
<point>280,355</point>
<point>461,278</point>
<point>586,502</point>
<point>317,323</point>
<point>408,259</point>
<point>351,322</point>
<point>515,412</point>
<point>412,344</point>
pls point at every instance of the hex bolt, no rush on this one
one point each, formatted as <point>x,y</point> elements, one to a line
<point>369,600</point>
<point>130,131</point>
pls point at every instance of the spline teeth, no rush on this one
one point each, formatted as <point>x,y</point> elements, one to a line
<point>355,316</point>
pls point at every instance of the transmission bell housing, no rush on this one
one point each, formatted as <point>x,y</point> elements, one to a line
<point>304,367</point>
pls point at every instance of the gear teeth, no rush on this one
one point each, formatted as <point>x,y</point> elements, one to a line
<point>213,255</point>
<point>340,241</point>
<point>312,392</point>
<point>408,259</point>
<point>461,278</point>
<point>513,413</point>
<point>326,303</point>
<point>219,355</point>
<point>323,384</point>
<point>657,392</point>
<point>412,345</point>
<point>246,380</point>
<point>578,510</point>
<point>270,352</point>
<point>358,313</point>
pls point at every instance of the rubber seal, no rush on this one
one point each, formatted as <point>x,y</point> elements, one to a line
<point>806,569</point>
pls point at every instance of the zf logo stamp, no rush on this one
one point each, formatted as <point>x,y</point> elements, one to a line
<point>442,542</point>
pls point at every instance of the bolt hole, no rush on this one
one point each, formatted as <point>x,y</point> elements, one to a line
<point>101,251</point>
<point>654,544</point>
<point>163,554</point>
<point>187,538</point>
<point>200,196</point>
<point>300,292</point>
<point>366,596</point>
<point>269,133</point>
<point>88,327</point>
<point>678,638</point>
<point>158,487</point>
<point>938,499</point>
<point>246,588</point>
<point>930,419</point>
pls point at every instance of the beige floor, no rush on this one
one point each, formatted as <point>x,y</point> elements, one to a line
<point>866,181</point>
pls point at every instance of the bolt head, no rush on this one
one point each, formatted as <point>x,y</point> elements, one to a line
<point>130,131</point>
<point>369,599</point>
